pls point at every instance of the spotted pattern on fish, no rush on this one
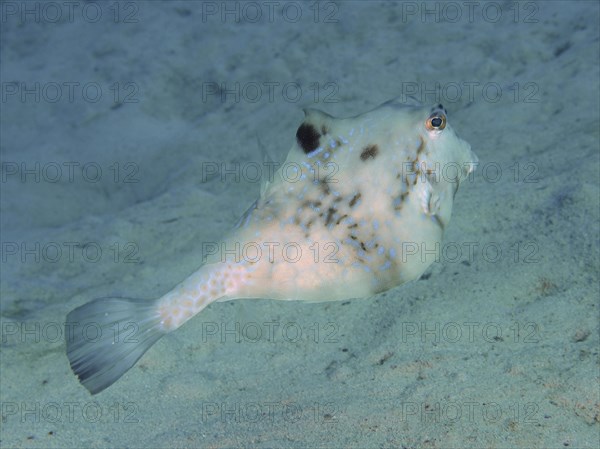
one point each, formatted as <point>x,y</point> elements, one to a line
<point>358,207</point>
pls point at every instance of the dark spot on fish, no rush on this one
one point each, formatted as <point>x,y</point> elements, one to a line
<point>308,137</point>
<point>341,218</point>
<point>324,130</point>
<point>337,199</point>
<point>354,225</point>
<point>370,151</point>
<point>311,203</point>
<point>401,198</point>
<point>353,237</point>
<point>330,213</point>
<point>324,186</point>
<point>362,245</point>
<point>354,199</point>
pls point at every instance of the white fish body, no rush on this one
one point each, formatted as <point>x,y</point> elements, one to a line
<point>358,207</point>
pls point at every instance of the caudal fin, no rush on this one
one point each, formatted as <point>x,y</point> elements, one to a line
<point>105,338</point>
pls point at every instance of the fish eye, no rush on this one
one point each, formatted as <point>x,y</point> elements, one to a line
<point>436,122</point>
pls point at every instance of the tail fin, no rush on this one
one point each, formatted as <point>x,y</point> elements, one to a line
<point>105,338</point>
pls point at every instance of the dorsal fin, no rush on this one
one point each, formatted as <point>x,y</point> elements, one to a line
<point>316,115</point>
<point>404,101</point>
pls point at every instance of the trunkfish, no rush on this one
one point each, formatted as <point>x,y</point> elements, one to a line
<point>357,208</point>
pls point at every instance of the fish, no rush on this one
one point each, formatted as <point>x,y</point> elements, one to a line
<point>359,207</point>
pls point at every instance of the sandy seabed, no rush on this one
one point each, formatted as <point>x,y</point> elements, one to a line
<point>114,117</point>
